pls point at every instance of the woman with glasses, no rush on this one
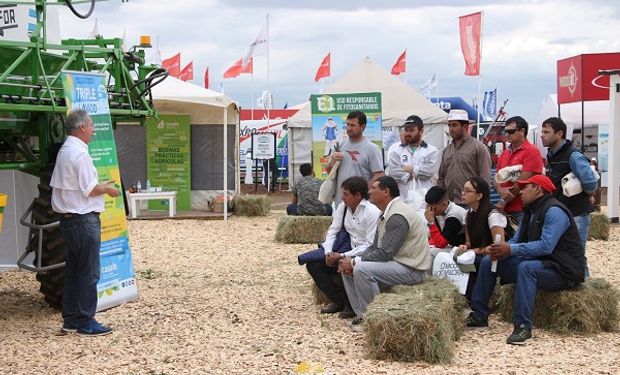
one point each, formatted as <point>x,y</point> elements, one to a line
<point>482,224</point>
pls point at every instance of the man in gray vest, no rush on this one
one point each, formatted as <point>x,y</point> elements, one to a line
<point>398,255</point>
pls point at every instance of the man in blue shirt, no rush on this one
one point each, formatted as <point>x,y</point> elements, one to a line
<point>562,159</point>
<point>545,253</point>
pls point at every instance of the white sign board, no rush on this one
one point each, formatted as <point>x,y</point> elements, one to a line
<point>263,146</point>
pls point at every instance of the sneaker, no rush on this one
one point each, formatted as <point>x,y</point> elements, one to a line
<point>94,329</point>
<point>520,336</point>
<point>473,322</point>
<point>69,327</point>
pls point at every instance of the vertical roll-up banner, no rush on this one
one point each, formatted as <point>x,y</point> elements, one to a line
<point>117,284</point>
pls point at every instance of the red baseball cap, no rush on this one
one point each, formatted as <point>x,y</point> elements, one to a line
<point>540,180</point>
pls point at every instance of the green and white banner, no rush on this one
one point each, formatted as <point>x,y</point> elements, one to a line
<point>118,283</point>
<point>168,158</point>
<point>329,123</point>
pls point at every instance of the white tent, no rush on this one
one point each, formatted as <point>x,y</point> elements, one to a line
<point>398,101</point>
<point>208,111</point>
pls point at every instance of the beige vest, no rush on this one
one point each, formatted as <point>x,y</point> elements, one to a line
<point>414,251</point>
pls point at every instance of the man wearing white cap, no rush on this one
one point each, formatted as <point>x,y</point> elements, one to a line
<point>545,253</point>
<point>464,158</point>
<point>413,162</point>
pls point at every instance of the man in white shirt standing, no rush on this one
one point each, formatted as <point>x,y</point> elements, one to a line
<point>78,196</point>
<point>412,162</point>
<point>360,221</point>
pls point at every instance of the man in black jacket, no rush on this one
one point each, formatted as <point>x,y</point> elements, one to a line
<point>545,254</point>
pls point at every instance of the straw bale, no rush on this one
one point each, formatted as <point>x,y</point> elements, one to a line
<point>302,229</point>
<point>599,226</point>
<point>252,205</point>
<point>590,308</point>
<point>419,322</point>
<point>318,296</point>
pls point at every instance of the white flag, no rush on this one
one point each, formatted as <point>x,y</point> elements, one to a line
<point>95,30</point>
<point>426,88</point>
<point>260,46</point>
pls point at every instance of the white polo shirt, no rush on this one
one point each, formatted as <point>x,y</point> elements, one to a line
<point>74,178</point>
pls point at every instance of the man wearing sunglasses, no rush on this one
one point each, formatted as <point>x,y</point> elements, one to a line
<point>519,152</point>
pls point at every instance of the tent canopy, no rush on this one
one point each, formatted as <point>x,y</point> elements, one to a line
<point>398,100</point>
<point>203,105</point>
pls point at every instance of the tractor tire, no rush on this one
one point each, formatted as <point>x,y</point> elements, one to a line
<point>54,249</point>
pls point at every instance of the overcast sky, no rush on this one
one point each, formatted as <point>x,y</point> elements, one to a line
<point>522,40</point>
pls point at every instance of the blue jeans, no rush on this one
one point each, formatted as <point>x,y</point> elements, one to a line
<point>291,210</point>
<point>529,275</point>
<point>583,225</point>
<point>82,234</point>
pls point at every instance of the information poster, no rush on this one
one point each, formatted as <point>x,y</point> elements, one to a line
<point>329,123</point>
<point>117,283</point>
<point>168,159</point>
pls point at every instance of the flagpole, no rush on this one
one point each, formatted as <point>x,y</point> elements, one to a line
<point>270,103</point>
<point>252,92</point>
<point>479,79</point>
<point>406,70</point>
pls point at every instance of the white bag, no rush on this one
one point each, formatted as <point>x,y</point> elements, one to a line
<point>571,185</point>
<point>416,196</point>
<point>444,267</point>
<point>327,191</point>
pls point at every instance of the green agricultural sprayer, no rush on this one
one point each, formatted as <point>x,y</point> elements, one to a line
<point>33,111</point>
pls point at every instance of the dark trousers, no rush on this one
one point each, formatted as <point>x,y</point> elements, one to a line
<point>82,234</point>
<point>529,275</point>
<point>329,281</point>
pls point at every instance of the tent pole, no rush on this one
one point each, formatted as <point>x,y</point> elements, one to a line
<point>225,163</point>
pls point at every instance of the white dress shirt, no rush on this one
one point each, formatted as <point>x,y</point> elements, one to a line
<point>74,178</point>
<point>361,226</point>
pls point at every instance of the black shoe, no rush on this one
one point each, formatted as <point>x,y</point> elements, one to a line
<point>347,313</point>
<point>332,308</point>
<point>473,322</point>
<point>520,336</point>
<point>358,320</point>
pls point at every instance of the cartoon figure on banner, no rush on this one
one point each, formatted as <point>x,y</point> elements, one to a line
<point>330,132</point>
<point>343,136</point>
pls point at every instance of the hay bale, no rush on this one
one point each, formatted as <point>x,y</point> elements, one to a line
<point>590,308</point>
<point>419,322</point>
<point>252,205</point>
<point>302,229</point>
<point>318,296</point>
<point>599,226</point>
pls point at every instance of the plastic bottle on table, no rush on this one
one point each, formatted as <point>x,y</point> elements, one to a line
<point>139,186</point>
<point>148,186</point>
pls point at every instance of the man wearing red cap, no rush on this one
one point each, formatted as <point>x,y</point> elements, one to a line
<point>545,253</point>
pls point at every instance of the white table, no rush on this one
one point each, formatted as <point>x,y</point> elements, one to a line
<point>135,198</point>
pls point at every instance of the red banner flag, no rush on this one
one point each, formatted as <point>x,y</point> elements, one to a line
<point>470,27</point>
<point>401,64</point>
<point>237,68</point>
<point>173,65</point>
<point>324,69</point>
<point>188,72</point>
<point>207,78</point>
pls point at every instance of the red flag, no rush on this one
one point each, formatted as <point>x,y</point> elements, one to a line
<point>188,72</point>
<point>173,65</point>
<point>470,27</point>
<point>401,64</point>
<point>324,70</point>
<point>237,68</point>
<point>207,78</point>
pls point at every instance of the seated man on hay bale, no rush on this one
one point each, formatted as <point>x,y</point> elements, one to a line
<point>399,254</point>
<point>306,195</point>
<point>359,217</point>
<point>446,220</point>
<point>545,253</point>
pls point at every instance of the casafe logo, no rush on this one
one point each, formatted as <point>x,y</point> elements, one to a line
<point>570,81</point>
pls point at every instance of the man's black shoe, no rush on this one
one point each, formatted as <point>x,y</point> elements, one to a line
<point>473,322</point>
<point>347,313</point>
<point>520,336</point>
<point>332,308</point>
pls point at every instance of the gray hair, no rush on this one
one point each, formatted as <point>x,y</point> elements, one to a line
<point>75,119</point>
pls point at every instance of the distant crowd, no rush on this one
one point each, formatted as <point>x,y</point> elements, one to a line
<point>391,225</point>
